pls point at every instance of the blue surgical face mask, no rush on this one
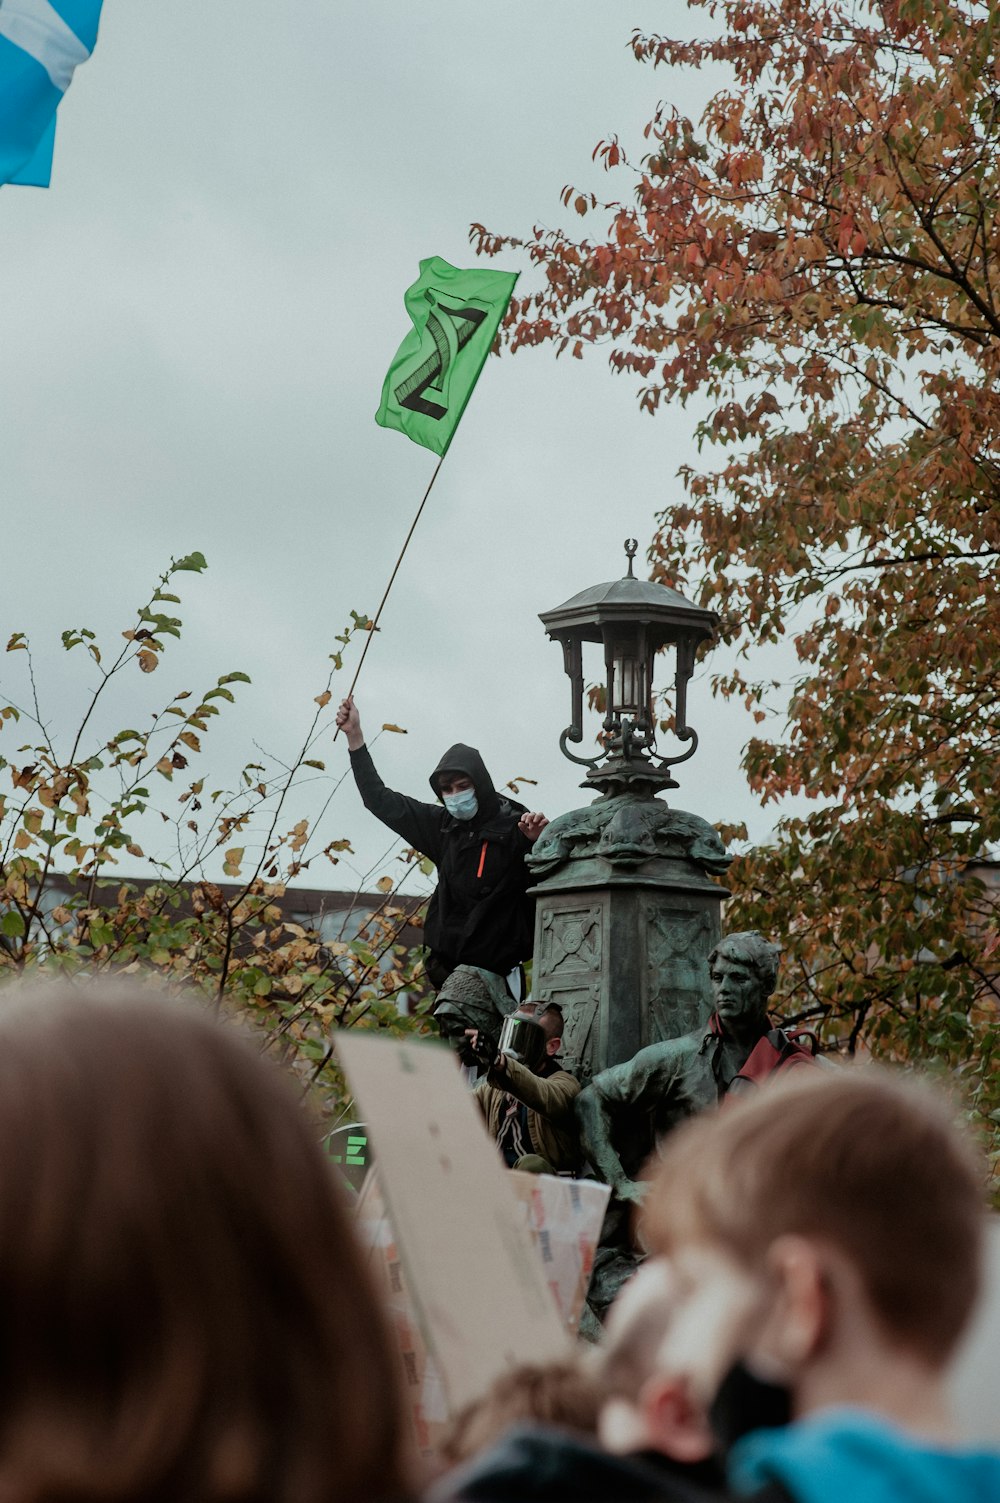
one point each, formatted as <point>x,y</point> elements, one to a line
<point>462,805</point>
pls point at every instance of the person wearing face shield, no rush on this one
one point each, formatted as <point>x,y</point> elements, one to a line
<point>527,1097</point>
<point>480,913</point>
<point>828,1237</point>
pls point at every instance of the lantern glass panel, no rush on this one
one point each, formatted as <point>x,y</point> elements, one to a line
<point>627,687</point>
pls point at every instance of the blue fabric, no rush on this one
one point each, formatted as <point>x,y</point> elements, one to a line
<point>37,170</point>
<point>850,1456</point>
<point>29,99</point>
<point>28,102</point>
<point>81,16</point>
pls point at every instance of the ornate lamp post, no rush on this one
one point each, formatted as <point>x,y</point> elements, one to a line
<point>632,618</point>
<point>627,911</point>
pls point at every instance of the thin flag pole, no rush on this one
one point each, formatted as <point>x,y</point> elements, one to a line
<point>374,626</point>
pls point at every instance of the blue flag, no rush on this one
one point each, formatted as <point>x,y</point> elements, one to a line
<point>41,43</point>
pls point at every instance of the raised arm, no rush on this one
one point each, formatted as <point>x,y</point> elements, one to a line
<point>551,1096</point>
<point>414,821</point>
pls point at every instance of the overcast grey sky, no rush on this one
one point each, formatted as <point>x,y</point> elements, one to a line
<point>195,321</point>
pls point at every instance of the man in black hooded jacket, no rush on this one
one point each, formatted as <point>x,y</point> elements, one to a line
<point>480,913</point>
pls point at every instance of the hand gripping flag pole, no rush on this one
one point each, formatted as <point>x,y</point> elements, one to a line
<point>455,316</point>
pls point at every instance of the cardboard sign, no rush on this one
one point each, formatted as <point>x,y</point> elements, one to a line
<point>479,1291</point>
<point>426,1400</point>
<point>565,1217</point>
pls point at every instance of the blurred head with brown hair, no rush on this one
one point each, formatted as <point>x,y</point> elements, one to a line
<point>184,1314</point>
<point>545,1393</point>
<point>828,1229</point>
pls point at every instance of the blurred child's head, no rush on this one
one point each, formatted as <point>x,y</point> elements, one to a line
<point>836,1214</point>
<point>536,1393</point>
<point>645,1404</point>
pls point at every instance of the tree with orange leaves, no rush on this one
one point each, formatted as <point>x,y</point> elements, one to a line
<point>818,260</point>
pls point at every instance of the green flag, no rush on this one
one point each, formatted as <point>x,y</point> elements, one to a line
<point>455,316</point>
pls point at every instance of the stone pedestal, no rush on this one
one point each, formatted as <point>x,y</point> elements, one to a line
<point>627,914</point>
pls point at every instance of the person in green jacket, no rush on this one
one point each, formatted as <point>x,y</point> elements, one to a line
<point>529,1111</point>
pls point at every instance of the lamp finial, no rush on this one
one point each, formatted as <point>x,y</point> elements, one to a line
<point>631,544</point>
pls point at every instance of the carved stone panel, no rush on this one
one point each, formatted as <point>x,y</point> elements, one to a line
<point>581,1007</point>
<point>571,938</point>
<point>678,943</point>
<point>569,968</point>
<point>628,966</point>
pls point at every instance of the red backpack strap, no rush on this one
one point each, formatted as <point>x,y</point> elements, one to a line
<point>777,1050</point>
<point>802,1036</point>
<point>764,1057</point>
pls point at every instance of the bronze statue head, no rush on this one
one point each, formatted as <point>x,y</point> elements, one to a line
<point>744,970</point>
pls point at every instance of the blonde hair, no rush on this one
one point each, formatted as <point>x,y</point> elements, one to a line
<point>637,1325</point>
<point>866,1160</point>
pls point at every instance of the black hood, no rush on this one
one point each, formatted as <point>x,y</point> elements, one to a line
<point>462,758</point>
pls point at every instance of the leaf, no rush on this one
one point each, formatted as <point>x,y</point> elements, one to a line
<point>233,678</point>
<point>384,884</point>
<point>148,660</point>
<point>311,762</point>
<point>234,857</point>
<point>12,925</point>
<point>192,562</point>
<point>397,729</point>
<point>17,642</point>
<point>323,699</point>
